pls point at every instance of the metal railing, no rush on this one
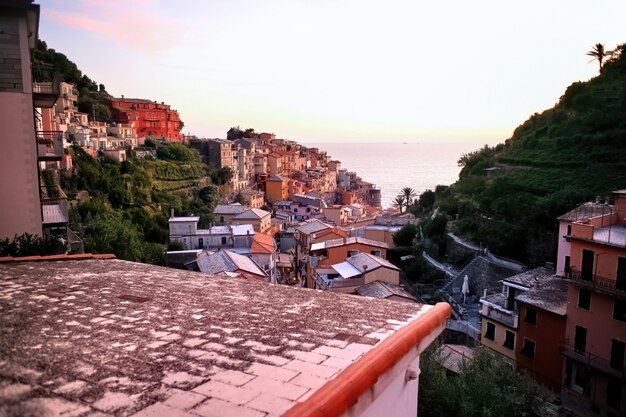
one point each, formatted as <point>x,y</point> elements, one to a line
<point>509,318</point>
<point>319,281</point>
<point>49,144</point>
<point>45,79</point>
<point>597,282</point>
<point>593,361</point>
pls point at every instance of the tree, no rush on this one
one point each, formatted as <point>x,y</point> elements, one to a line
<point>239,198</point>
<point>427,200</point>
<point>485,386</point>
<point>399,202</point>
<point>408,193</point>
<point>598,53</point>
<point>222,176</point>
<point>405,236</point>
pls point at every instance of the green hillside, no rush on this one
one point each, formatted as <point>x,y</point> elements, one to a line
<point>508,196</point>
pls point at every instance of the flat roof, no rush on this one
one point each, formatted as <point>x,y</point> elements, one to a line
<point>184,219</point>
<point>121,338</point>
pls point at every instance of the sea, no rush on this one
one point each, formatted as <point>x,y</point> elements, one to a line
<point>393,166</point>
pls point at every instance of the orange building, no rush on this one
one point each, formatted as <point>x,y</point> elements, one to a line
<point>276,188</point>
<point>149,118</point>
<point>334,251</point>
<point>595,334</point>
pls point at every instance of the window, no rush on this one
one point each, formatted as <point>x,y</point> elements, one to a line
<point>617,354</point>
<point>580,339</point>
<point>531,316</point>
<point>614,393</point>
<point>619,310</point>
<point>620,283</point>
<point>352,252</point>
<point>509,340</point>
<point>569,230</point>
<point>491,331</point>
<point>528,349</point>
<point>586,272</point>
<point>201,243</point>
<point>584,299</point>
<point>223,240</point>
<point>580,377</point>
<point>376,253</point>
<point>567,269</point>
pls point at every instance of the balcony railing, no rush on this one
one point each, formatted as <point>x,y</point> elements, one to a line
<point>46,86</point>
<point>593,361</point>
<point>319,281</point>
<point>597,283</point>
<point>508,319</point>
<point>49,145</point>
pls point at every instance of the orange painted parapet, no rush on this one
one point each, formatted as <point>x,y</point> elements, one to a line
<point>62,257</point>
<point>339,394</point>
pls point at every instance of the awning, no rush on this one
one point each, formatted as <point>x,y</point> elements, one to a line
<point>346,270</point>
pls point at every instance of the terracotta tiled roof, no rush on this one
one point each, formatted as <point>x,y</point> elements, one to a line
<point>263,243</point>
<point>127,339</point>
<point>62,257</point>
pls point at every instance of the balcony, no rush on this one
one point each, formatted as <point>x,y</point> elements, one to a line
<point>46,86</point>
<point>493,309</point>
<point>49,145</point>
<point>595,362</point>
<point>597,283</point>
<point>55,212</point>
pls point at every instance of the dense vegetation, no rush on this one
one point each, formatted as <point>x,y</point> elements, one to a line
<point>90,94</point>
<point>29,245</point>
<point>125,206</point>
<point>485,386</point>
<point>509,196</point>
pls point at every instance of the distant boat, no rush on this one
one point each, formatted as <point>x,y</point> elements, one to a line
<point>404,143</point>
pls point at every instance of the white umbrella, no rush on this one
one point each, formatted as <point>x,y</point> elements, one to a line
<point>465,287</point>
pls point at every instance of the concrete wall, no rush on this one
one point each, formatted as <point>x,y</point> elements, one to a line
<point>20,210</point>
<point>564,248</point>
<point>183,228</point>
<point>497,344</point>
<point>383,274</point>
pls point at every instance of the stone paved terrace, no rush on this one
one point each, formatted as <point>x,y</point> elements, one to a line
<point>103,338</point>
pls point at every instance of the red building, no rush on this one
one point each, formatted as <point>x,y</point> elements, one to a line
<point>149,118</point>
<point>541,330</point>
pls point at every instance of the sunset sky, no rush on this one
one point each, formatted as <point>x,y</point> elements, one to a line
<point>339,70</point>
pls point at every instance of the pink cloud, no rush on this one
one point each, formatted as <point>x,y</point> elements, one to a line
<point>138,25</point>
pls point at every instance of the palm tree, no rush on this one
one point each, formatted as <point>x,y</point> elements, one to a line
<point>399,202</point>
<point>598,53</point>
<point>408,193</point>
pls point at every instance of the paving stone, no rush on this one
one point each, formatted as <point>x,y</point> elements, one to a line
<point>218,408</point>
<point>162,410</point>
<point>306,356</point>
<point>311,369</point>
<point>270,404</point>
<point>274,372</point>
<point>226,392</point>
<point>281,389</point>
<point>184,400</point>
<point>232,377</point>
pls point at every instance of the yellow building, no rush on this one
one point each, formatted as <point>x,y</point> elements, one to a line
<point>277,189</point>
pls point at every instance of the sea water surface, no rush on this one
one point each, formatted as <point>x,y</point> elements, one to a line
<point>393,166</point>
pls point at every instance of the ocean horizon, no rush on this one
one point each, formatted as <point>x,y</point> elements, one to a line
<point>395,165</point>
